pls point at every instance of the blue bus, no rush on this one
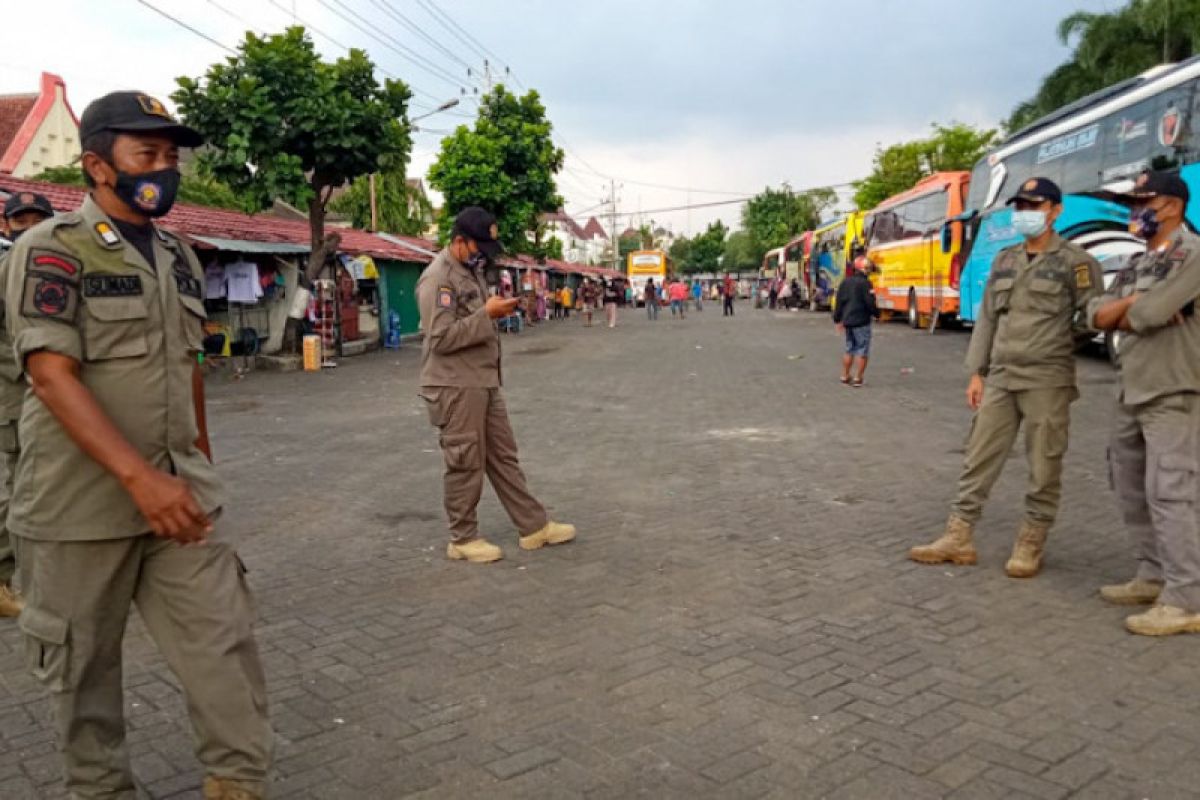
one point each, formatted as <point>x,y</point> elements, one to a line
<point>1096,145</point>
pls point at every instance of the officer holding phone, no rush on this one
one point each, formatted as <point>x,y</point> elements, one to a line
<point>460,383</point>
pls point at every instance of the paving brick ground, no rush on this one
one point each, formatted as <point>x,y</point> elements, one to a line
<point>737,618</point>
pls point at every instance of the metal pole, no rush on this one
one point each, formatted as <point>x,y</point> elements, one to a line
<point>374,210</point>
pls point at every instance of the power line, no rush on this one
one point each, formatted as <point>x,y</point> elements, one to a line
<point>390,10</point>
<point>185,26</point>
<point>458,31</point>
<point>395,46</point>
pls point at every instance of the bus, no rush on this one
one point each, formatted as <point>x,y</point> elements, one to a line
<point>1091,148</point>
<point>830,250</point>
<point>642,265</point>
<point>771,264</point>
<point>795,262</point>
<point>914,275</point>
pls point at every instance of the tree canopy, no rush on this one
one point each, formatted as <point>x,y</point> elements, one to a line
<point>775,216</point>
<point>281,123</point>
<point>505,163</point>
<point>399,208</point>
<point>740,253</point>
<point>897,168</point>
<point>1111,47</point>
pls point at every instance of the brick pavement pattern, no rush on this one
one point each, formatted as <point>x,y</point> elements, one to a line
<point>737,618</point>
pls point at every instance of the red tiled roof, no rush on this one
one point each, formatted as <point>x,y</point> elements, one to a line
<point>594,229</point>
<point>14,110</point>
<point>565,220</point>
<point>191,220</point>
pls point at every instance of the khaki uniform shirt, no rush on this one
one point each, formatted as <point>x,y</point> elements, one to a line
<point>12,387</point>
<point>1160,357</point>
<point>75,287</point>
<point>462,345</point>
<point>1032,316</point>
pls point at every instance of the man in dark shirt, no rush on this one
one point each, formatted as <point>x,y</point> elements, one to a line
<point>854,310</point>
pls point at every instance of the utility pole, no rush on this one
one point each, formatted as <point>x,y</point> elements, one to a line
<point>614,238</point>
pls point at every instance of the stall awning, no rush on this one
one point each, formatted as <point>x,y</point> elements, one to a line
<point>244,246</point>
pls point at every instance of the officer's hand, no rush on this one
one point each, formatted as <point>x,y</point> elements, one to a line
<point>840,328</point>
<point>499,308</point>
<point>975,393</point>
<point>167,504</point>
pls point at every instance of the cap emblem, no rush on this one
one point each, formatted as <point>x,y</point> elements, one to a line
<point>27,199</point>
<point>153,106</point>
<point>494,232</point>
<point>1030,185</point>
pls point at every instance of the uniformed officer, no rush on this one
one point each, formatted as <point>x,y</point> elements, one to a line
<point>1153,454</point>
<point>116,498</point>
<point>22,211</point>
<point>460,383</point>
<point>1022,365</point>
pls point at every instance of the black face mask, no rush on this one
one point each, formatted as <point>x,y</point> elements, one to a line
<point>150,193</point>
<point>478,261</point>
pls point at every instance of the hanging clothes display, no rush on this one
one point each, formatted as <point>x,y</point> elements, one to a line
<point>214,281</point>
<point>242,283</point>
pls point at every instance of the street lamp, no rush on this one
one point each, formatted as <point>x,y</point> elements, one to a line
<point>446,106</point>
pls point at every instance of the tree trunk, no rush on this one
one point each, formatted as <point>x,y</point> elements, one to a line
<point>323,249</point>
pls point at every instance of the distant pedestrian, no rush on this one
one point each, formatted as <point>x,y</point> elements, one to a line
<point>772,295</point>
<point>678,294</point>
<point>568,301</point>
<point>730,292</point>
<point>856,309</point>
<point>650,295</point>
<point>698,295</point>
<point>588,296</point>
<point>612,296</point>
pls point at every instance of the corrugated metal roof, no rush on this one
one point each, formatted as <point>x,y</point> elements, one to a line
<point>245,246</point>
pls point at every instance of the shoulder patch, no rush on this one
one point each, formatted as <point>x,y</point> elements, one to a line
<point>445,297</point>
<point>52,262</point>
<point>107,234</point>
<point>1083,276</point>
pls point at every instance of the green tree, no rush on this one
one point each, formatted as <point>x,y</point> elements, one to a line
<point>681,253</point>
<point>197,189</point>
<point>625,246</point>
<point>281,123</point>
<point>1111,47</point>
<point>897,168</point>
<point>505,163</point>
<point>775,216</point>
<point>399,208</point>
<point>706,249</point>
<point>741,253</point>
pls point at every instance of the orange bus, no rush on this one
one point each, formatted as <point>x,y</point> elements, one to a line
<point>913,275</point>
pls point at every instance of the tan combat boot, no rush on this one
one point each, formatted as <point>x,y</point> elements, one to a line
<point>225,789</point>
<point>477,551</point>
<point>954,545</point>
<point>1026,559</point>
<point>553,533</point>
<point>10,601</point>
<point>1163,621</point>
<point>1136,592</point>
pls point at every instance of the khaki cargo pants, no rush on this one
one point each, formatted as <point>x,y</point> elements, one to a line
<point>9,450</point>
<point>197,607</point>
<point>477,440</point>
<point>1046,414</point>
<point>1153,462</point>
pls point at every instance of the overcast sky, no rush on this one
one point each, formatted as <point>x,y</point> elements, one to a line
<point>713,95</point>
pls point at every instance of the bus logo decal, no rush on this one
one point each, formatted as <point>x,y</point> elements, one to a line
<point>1130,129</point>
<point>1168,126</point>
<point>1068,144</point>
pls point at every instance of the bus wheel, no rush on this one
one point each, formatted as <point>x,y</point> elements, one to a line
<point>914,315</point>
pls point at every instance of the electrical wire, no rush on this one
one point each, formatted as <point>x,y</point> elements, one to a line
<point>391,11</point>
<point>185,26</point>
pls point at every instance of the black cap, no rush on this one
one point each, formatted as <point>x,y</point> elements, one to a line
<point>135,112</point>
<point>19,202</point>
<point>1038,190</point>
<point>479,225</point>
<point>1159,184</point>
